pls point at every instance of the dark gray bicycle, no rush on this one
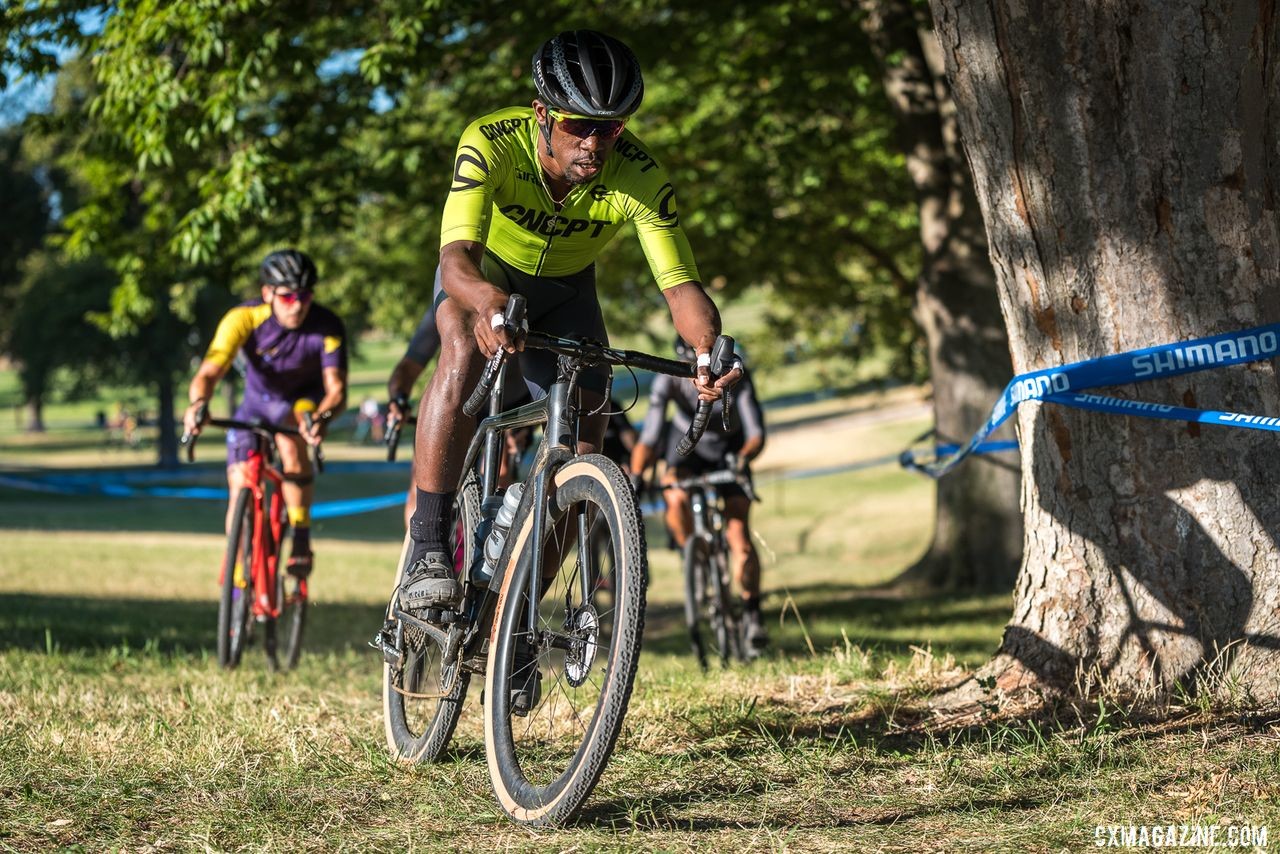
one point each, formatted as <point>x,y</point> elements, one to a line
<point>541,606</point>
<point>711,611</point>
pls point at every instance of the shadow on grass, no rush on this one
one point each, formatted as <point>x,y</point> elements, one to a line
<point>1050,743</point>
<point>966,626</point>
<point>671,812</point>
<point>95,625</point>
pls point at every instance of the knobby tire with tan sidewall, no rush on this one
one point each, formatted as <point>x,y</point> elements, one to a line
<point>233,613</point>
<point>597,484</point>
<point>407,739</point>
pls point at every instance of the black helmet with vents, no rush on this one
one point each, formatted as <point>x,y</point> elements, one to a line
<point>288,268</point>
<point>588,73</point>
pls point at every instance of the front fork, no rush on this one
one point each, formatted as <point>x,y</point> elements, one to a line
<point>562,440</point>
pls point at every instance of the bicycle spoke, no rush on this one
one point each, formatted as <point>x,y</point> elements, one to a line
<point>585,678</point>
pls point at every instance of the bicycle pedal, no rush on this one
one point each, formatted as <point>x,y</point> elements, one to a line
<point>438,616</point>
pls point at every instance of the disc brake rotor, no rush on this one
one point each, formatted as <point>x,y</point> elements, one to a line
<point>584,627</point>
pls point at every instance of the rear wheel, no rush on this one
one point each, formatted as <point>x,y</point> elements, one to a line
<point>726,617</point>
<point>422,696</point>
<point>291,595</point>
<point>545,759</point>
<point>233,608</point>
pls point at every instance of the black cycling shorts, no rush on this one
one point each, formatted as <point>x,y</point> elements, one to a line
<point>557,305</point>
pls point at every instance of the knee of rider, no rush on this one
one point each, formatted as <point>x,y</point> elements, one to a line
<point>739,541</point>
<point>301,475</point>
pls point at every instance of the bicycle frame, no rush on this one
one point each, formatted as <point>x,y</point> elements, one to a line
<point>266,538</point>
<point>557,446</point>
<point>708,519</point>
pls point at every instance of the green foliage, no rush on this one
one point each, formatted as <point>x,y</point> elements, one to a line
<point>225,129</point>
<point>49,330</point>
<point>73,320</point>
<point>24,219</point>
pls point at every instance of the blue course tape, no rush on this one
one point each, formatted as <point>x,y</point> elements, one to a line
<point>1065,385</point>
<point>198,473</point>
<point>85,486</point>
<point>352,506</point>
<point>984,448</point>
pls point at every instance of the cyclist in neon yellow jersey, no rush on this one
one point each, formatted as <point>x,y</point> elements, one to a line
<point>537,192</point>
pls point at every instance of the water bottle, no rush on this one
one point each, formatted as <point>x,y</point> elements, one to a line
<point>480,573</point>
<point>498,535</point>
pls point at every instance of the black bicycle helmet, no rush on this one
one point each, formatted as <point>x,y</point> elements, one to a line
<point>587,73</point>
<point>288,268</point>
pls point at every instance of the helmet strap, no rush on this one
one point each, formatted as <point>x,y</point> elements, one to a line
<point>546,133</point>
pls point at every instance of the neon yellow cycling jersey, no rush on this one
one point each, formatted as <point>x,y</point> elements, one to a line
<point>499,198</point>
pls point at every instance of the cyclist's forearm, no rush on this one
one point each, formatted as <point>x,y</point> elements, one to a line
<point>331,406</point>
<point>335,394</point>
<point>641,457</point>
<point>204,382</point>
<point>403,376</point>
<point>751,448</point>
<point>695,316</point>
<point>462,280</point>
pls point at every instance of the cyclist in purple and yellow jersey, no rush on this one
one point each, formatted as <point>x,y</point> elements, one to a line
<point>537,193</point>
<point>295,358</point>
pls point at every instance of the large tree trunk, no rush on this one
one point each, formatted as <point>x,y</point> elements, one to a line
<point>977,541</point>
<point>35,414</point>
<point>1126,159</point>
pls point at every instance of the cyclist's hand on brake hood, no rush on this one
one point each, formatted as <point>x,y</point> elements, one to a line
<point>196,416</point>
<point>709,389</point>
<point>492,333</point>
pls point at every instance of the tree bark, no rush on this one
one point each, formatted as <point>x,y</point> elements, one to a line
<point>1126,159</point>
<point>977,541</point>
<point>35,414</point>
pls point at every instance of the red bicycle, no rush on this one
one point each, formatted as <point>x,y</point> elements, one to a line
<point>255,542</point>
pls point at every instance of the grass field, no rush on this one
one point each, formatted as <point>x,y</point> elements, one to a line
<point>118,730</point>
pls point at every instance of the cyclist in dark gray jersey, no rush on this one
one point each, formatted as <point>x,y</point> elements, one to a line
<point>718,450</point>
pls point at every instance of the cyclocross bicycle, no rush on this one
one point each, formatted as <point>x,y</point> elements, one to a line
<point>710,608</point>
<point>558,659</point>
<point>252,580</point>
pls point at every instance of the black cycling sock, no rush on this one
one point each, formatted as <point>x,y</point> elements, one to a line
<point>301,541</point>
<point>427,525</point>
<point>751,604</point>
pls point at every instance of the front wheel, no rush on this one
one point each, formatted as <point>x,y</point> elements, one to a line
<point>549,731</point>
<point>709,609</point>
<point>237,570</point>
